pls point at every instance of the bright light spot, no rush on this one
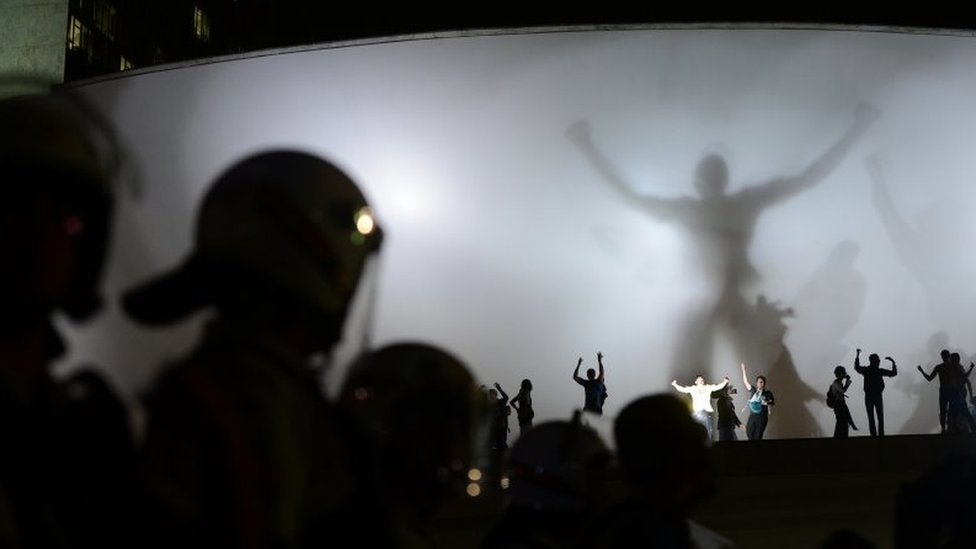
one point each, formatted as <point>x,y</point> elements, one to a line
<point>474,475</point>
<point>504,483</point>
<point>473,490</point>
<point>364,221</point>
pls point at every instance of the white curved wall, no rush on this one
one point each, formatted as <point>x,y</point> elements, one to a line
<point>507,247</point>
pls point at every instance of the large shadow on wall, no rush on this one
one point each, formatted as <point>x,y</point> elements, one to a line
<point>929,249</point>
<point>760,332</point>
<point>827,307</point>
<point>720,227</point>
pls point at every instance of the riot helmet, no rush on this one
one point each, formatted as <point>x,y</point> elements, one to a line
<point>58,161</point>
<point>283,227</point>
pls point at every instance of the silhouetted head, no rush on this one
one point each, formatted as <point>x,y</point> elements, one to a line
<point>945,355</point>
<point>526,385</point>
<point>419,405</point>
<point>492,395</point>
<point>760,382</point>
<point>840,372</point>
<point>280,231</point>
<point>590,373</point>
<point>558,466</point>
<point>711,176</point>
<point>954,358</point>
<point>663,452</point>
<point>874,360</point>
<point>58,161</point>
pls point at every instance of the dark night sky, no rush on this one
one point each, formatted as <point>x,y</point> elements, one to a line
<point>314,22</point>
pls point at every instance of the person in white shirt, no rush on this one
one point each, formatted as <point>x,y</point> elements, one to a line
<point>701,400</point>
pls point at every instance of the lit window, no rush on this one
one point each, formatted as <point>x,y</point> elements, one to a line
<point>76,32</point>
<point>79,37</point>
<point>105,18</point>
<point>125,64</point>
<point>201,24</point>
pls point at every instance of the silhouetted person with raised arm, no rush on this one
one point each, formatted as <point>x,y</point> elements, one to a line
<point>721,226</point>
<point>701,400</point>
<point>65,461</point>
<point>594,388</point>
<point>873,387</point>
<point>958,410</point>
<point>728,421</point>
<point>968,395</point>
<point>242,448</point>
<point>923,416</point>
<point>522,402</point>
<point>498,401</point>
<point>947,380</point>
<point>843,421</point>
<point>760,400</point>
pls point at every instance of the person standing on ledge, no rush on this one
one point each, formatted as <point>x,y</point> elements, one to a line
<point>594,389</point>
<point>947,382</point>
<point>873,387</point>
<point>727,421</point>
<point>701,400</point>
<point>842,414</point>
<point>522,402</point>
<point>760,399</point>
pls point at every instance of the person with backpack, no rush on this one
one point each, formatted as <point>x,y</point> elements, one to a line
<point>836,400</point>
<point>594,388</point>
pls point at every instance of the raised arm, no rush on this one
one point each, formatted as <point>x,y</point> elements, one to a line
<point>579,134</point>
<point>599,360</point>
<point>857,363</point>
<point>502,393</point>
<point>898,229</point>
<point>864,117</point>
<point>745,378</point>
<point>717,386</point>
<point>576,376</point>
<point>894,368</point>
<point>680,388</point>
<point>928,377</point>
